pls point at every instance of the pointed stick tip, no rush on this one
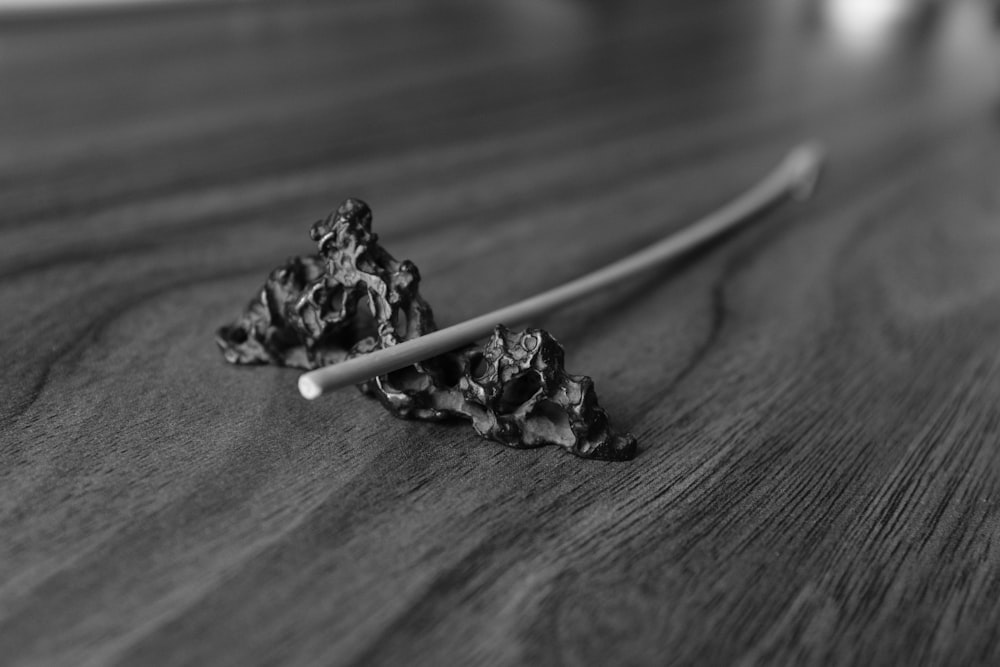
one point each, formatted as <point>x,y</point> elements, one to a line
<point>308,387</point>
<point>804,164</point>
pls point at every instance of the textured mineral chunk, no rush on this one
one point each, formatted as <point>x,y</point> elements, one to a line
<point>518,393</point>
<point>353,297</point>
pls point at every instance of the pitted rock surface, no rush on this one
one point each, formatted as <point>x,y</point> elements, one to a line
<point>353,297</point>
<point>518,392</point>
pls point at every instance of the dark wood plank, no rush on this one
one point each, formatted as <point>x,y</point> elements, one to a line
<point>816,398</point>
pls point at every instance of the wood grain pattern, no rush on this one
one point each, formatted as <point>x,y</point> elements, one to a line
<point>817,399</point>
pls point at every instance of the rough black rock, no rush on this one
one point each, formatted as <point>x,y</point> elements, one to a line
<point>353,297</point>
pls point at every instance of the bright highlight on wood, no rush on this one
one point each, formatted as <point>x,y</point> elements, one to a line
<point>794,177</point>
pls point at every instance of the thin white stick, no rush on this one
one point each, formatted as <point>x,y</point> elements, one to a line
<point>795,176</point>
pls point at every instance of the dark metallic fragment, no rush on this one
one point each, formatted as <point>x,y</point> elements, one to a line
<point>354,297</point>
<point>517,392</point>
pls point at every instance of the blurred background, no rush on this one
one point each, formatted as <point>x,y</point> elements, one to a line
<point>517,111</point>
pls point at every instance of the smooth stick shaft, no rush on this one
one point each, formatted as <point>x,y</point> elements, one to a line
<point>794,176</point>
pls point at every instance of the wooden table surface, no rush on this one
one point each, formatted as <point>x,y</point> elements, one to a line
<point>817,399</point>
